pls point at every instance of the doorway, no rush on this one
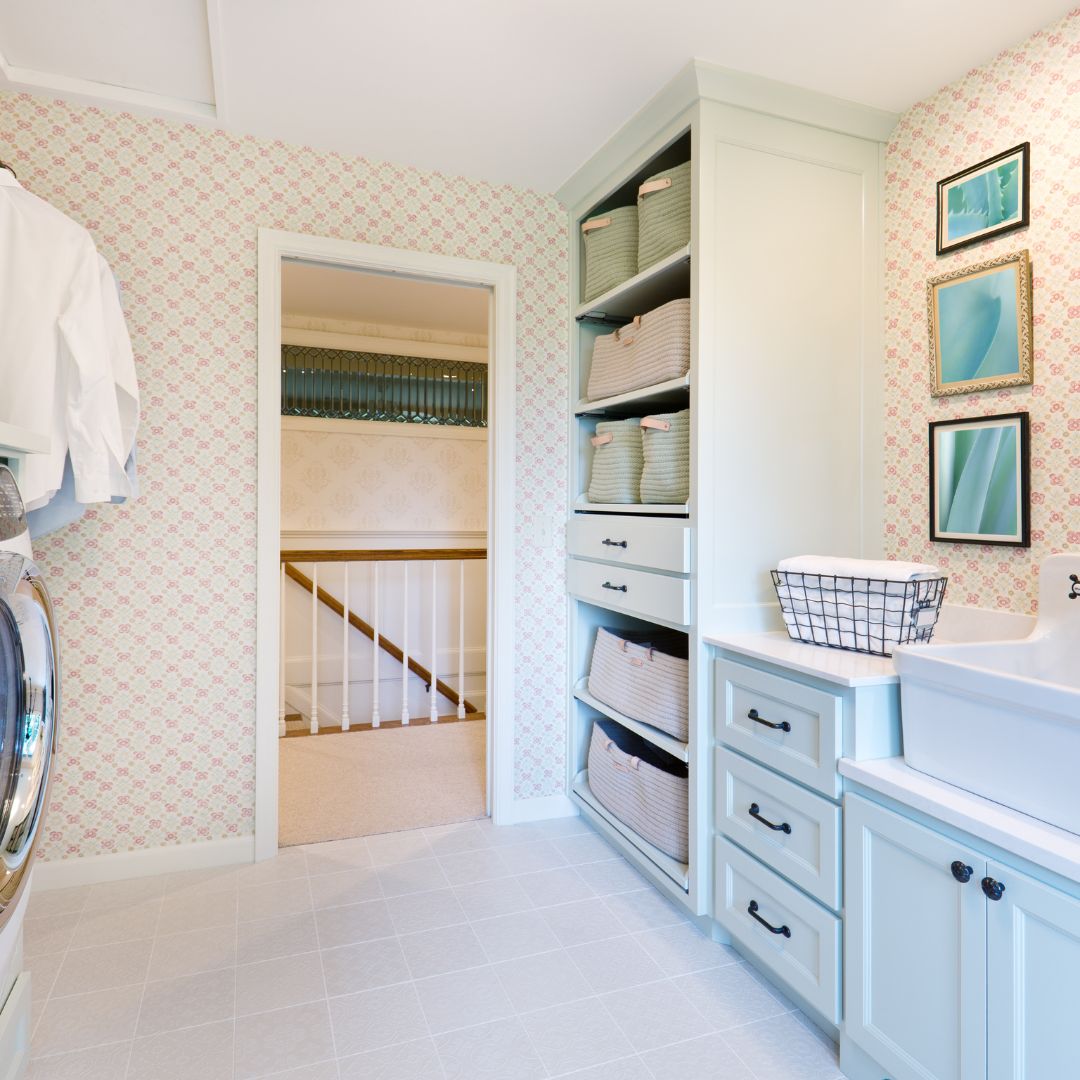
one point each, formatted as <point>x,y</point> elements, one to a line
<point>389,595</point>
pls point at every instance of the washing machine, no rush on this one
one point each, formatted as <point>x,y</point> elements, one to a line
<point>29,712</point>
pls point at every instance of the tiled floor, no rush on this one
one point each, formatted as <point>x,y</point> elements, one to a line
<point>464,952</point>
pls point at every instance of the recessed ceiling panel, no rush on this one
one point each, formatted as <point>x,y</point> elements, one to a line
<point>156,46</point>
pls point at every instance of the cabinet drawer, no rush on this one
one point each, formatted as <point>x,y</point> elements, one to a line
<point>808,852</point>
<point>793,728</point>
<point>807,958</point>
<point>658,545</point>
<point>637,592</point>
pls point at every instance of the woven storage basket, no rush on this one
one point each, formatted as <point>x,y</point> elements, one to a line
<point>663,215</point>
<point>665,446</point>
<point>616,464</point>
<point>653,349</point>
<point>644,787</point>
<point>644,675</point>
<point>611,250</point>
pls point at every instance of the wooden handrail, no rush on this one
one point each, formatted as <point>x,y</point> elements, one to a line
<point>386,555</point>
<point>385,644</point>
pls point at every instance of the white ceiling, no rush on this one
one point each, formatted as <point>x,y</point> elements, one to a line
<point>330,292</point>
<point>515,91</point>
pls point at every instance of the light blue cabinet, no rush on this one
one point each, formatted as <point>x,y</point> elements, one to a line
<point>948,976</point>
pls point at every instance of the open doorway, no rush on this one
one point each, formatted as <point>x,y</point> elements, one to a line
<point>393,398</point>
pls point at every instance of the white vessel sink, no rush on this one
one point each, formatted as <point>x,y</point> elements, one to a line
<point>1002,718</point>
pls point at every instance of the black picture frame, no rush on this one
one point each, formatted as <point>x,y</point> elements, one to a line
<point>1022,420</point>
<point>1023,150</point>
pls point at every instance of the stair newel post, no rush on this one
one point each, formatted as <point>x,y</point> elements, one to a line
<point>375,655</point>
<point>405,648</point>
<point>461,642</point>
<point>281,656</point>
<point>314,648</point>
<point>345,655</point>
<point>434,712</point>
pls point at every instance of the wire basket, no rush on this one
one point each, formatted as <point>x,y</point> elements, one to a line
<point>867,615</point>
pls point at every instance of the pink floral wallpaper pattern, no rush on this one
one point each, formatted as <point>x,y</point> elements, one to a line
<point>157,599</point>
<point>1027,94</point>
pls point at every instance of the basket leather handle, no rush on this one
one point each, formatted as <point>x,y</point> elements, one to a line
<point>630,765</point>
<point>602,440</point>
<point>635,325</point>
<point>596,223</point>
<point>654,185</point>
<point>655,422</point>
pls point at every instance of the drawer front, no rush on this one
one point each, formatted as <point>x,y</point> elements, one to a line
<point>794,729</point>
<point>637,592</point>
<point>657,545</point>
<point>807,958</point>
<point>807,851</point>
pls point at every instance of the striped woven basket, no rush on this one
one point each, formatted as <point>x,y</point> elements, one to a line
<point>651,350</point>
<point>611,250</point>
<point>643,675</point>
<point>665,446</point>
<point>617,461</point>
<point>644,787</point>
<point>663,215</point>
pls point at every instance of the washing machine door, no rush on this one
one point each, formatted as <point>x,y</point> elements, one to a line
<point>28,713</point>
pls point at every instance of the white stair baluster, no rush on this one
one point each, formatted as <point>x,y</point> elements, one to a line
<point>375,651</point>
<point>345,656</point>
<point>314,649</point>
<point>281,659</point>
<point>434,714</point>
<point>405,650</point>
<point>461,642</point>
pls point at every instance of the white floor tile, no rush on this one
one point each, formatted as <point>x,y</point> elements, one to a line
<point>611,876</point>
<point>582,921</point>
<point>190,910</point>
<point>277,984</point>
<point>124,922</point>
<point>531,858</point>
<point>267,939</point>
<point>43,970</point>
<point>707,1058</point>
<point>628,1068</point>
<point>217,879</point>
<point>57,902</point>
<point>575,1036</point>
<point>542,980</point>
<point>426,911</point>
<point>417,875</point>
<point>729,996</point>
<point>205,1052</point>
<point>497,1051</point>
<point>462,999</point>
<point>84,1020</point>
<point>465,867</point>
<point>644,910</point>
<point>126,893</point>
<point>585,848</point>
<point>436,952</point>
<point>655,1014</point>
<point>614,964</point>
<point>501,896</point>
<point>103,967</point>
<point>98,1063</point>
<point>781,1047</point>
<point>365,966</point>
<point>559,886</point>
<point>285,1039</point>
<point>377,1018</point>
<point>351,923</point>
<point>187,1002</point>
<point>506,937</point>
<point>683,948</point>
<point>194,951</point>
<point>389,848</point>
<point>324,1070</point>
<point>337,855</point>
<point>450,839</point>
<point>287,864</point>
<point>417,1060</point>
<point>274,900</point>
<point>48,934</point>
<point>345,887</point>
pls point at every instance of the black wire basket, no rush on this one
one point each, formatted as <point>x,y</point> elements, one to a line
<point>867,615</point>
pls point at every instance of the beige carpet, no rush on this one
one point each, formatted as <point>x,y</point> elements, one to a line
<point>334,786</point>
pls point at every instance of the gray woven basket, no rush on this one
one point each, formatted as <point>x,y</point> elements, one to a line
<point>611,250</point>
<point>663,215</point>
<point>665,445</point>
<point>650,800</point>
<point>643,679</point>
<point>617,462</point>
<point>653,349</point>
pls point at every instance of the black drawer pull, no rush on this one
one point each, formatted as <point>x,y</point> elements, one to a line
<point>993,889</point>
<point>752,908</point>
<point>613,543</point>
<point>614,588</point>
<point>961,871</point>
<point>755,812</point>
<point>782,726</point>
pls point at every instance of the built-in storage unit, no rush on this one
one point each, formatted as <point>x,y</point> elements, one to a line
<point>960,965</point>
<point>781,273</point>
<point>17,442</point>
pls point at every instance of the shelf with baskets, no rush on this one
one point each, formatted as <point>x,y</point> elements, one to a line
<point>583,506</point>
<point>665,280</point>
<point>662,397</point>
<point>658,738</point>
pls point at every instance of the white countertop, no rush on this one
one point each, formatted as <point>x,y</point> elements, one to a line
<point>833,665</point>
<point>1031,839</point>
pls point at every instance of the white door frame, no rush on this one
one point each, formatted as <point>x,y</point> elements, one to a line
<point>274,246</point>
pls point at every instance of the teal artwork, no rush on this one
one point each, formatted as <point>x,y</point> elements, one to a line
<point>979,480</point>
<point>977,326</point>
<point>985,201</point>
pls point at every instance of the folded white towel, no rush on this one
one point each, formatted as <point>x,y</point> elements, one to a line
<point>878,569</point>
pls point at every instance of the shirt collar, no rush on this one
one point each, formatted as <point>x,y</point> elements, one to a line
<point>7,179</point>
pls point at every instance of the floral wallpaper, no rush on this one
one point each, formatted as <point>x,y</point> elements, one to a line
<point>157,599</point>
<point>1027,94</point>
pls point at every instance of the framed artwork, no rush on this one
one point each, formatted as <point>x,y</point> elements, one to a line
<point>980,326</point>
<point>984,200</point>
<point>980,480</point>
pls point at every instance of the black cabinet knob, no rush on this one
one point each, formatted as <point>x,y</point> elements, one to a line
<point>961,871</point>
<point>993,889</point>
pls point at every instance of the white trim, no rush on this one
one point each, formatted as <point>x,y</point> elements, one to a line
<point>327,426</point>
<point>388,331</point>
<point>379,538</point>
<point>323,339</point>
<point>91,869</point>
<point>543,808</point>
<point>215,31</point>
<point>275,245</point>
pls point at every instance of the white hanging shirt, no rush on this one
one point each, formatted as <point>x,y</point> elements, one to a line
<point>57,339</point>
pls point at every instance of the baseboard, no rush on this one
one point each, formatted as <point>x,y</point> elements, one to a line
<point>93,869</point>
<point>540,809</point>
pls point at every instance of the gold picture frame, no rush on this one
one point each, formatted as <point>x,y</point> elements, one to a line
<point>979,320</point>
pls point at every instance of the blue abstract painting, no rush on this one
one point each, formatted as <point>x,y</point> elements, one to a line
<point>985,201</point>
<point>977,326</point>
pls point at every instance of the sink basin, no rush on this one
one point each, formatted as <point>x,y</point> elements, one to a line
<point>1002,718</point>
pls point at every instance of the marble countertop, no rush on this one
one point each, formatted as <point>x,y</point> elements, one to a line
<point>1036,841</point>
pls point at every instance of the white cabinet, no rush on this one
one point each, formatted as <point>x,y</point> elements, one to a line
<point>957,967</point>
